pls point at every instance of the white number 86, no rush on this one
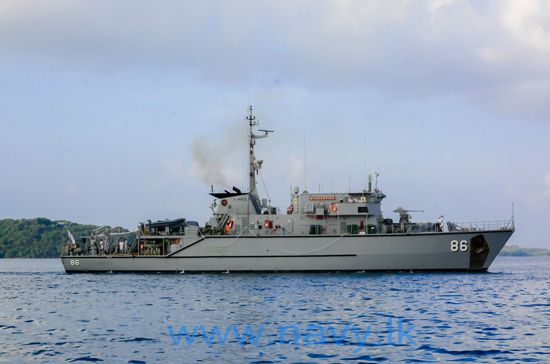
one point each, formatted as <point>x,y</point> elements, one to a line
<point>456,246</point>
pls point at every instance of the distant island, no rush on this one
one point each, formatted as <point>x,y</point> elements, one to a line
<point>37,238</point>
<point>44,238</point>
<point>518,251</point>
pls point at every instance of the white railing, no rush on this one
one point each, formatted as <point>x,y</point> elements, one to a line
<point>481,225</point>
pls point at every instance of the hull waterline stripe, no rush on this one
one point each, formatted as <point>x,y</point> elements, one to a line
<point>205,256</point>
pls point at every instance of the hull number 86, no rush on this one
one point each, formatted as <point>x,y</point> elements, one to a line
<point>459,246</point>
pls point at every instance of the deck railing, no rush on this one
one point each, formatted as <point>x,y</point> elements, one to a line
<point>481,225</point>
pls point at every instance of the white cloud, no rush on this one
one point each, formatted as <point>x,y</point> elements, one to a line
<point>528,21</point>
<point>296,170</point>
<point>496,54</point>
<point>490,55</point>
<point>547,184</point>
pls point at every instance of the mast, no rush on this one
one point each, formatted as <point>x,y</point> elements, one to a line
<point>253,165</point>
<point>251,158</point>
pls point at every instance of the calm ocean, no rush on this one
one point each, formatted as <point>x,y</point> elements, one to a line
<point>499,316</point>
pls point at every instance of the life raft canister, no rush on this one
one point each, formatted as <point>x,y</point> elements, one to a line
<point>228,226</point>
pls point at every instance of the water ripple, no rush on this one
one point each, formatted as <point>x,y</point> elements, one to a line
<point>49,316</point>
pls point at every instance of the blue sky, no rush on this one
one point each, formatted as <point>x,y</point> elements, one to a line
<point>112,112</point>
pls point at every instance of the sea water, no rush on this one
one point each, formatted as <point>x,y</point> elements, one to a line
<point>499,316</point>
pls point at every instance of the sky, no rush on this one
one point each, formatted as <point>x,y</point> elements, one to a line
<point>115,112</point>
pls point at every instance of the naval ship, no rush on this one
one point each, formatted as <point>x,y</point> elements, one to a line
<point>317,232</point>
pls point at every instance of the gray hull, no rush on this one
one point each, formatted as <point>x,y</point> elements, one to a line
<point>468,251</point>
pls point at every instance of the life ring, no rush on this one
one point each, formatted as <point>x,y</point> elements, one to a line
<point>334,208</point>
<point>290,210</point>
<point>224,202</point>
<point>228,226</point>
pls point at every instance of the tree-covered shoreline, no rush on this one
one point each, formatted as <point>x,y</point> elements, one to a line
<point>518,251</point>
<point>38,237</point>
